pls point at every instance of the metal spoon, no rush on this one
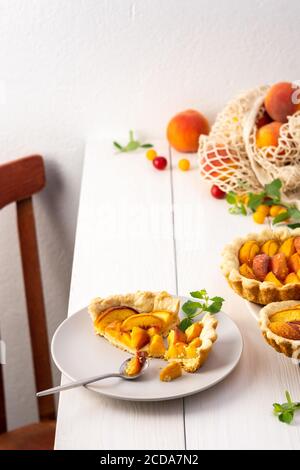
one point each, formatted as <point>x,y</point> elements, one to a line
<point>122,374</point>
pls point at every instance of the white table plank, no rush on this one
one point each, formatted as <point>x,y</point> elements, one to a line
<point>237,413</point>
<point>123,243</point>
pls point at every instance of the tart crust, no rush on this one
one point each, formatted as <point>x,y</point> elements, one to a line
<point>289,347</point>
<point>141,301</point>
<point>255,291</point>
<point>208,336</point>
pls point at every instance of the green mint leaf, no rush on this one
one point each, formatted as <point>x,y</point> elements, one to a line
<point>294,213</point>
<point>243,209</point>
<point>277,408</point>
<point>288,397</point>
<point>281,217</point>
<point>238,209</point>
<point>286,417</point>
<point>214,307</point>
<point>198,294</point>
<point>255,200</point>
<point>185,323</point>
<point>293,226</point>
<point>231,197</point>
<point>190,307</point>
<point>118,146</point>
<point>146,146</point>
<point>234,210</point>
<point>132,145</point>
<point>273,189</point>
<point>217,299</point>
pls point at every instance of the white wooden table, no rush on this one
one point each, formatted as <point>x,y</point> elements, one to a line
<point>139,228</point>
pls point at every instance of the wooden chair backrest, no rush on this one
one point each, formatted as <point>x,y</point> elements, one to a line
<point>19,180</point>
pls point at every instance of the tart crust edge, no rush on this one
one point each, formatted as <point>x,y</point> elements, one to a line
<point>288,347</point>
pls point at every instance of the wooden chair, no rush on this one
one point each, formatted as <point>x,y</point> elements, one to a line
<point>19,180</point>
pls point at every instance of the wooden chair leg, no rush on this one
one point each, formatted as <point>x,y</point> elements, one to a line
<point>35,304</point>
<point>3,424</point>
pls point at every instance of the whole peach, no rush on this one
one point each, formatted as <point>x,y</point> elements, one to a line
<point>282,100</point>
<point>268,135</point>
<point>184,130</point>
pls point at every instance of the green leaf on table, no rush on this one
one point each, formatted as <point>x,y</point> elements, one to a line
<point>190,307</point>
<point>238,209</point>
<point>286,417</point>
<point>231,197</point>
<point>243,209</point>
<point>273,189</point>
<point>146,146</point>
<point>285,411</point>
<point>294,213</point>
<point>255,200</point>
<point>281,217</point>
<point>133,145</point>
<point>293,226</point>
<point>118,146</point>
<point>277,408</point>
<point>185,323</point>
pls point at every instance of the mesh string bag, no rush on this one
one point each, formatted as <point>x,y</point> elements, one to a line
<point>229,157</point>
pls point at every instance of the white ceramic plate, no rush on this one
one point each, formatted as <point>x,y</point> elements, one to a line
<point>79,353</point>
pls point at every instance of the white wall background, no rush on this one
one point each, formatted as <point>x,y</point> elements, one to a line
<point>71,68</point>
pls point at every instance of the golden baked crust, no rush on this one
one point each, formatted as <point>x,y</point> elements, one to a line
<point>289,347</point>
<point>141,301</point>
<point>207,336</point>
<point>255,291</point>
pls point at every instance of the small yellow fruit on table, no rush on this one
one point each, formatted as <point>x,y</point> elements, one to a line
<point>151,154</point>
<point>259,217</point>
<point>263,209</point>
<point>184,164</point>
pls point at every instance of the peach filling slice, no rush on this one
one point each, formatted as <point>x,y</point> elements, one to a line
<point>272,261</point>
<point>136,330</point>
<point>184,345</point>
<point>286,323</point>
<point>135,364</point>
<point>170,372</point>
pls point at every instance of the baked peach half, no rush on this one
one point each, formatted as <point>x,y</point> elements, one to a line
<point>143,320</point>
<point>111,315</point>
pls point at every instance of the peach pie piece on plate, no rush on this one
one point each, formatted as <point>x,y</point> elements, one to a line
<point>135,322</point>
<point>142,321</point>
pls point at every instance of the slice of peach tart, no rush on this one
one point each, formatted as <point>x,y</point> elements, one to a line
<point>135,322</point>
<point>141,321</point>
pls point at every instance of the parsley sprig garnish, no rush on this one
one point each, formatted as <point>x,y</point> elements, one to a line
<point>270,196</point>
<point>132,144</point>
<point>286,411</point>
<point>193,308</point>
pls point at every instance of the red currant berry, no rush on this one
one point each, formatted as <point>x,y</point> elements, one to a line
<point>217,192</point>
<point>160,163</point>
